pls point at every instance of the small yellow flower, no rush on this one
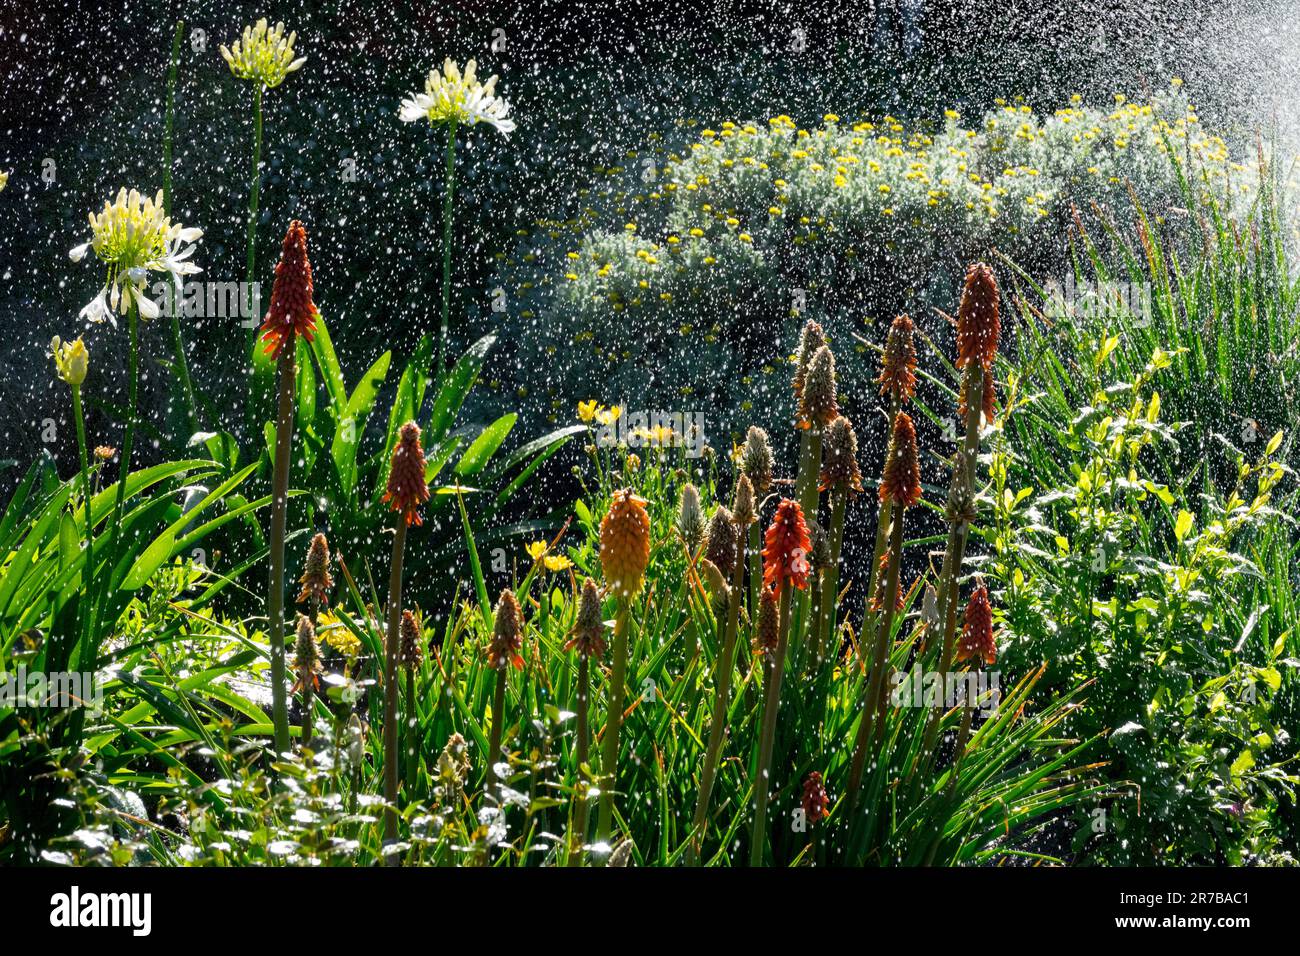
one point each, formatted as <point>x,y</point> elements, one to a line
<point>263,54</point>
<point>556,562</point>
<point>587,410</point>
<point>71,360</point>
<point>337,635</point>
<point>607,416</point>
<point>536,550</point>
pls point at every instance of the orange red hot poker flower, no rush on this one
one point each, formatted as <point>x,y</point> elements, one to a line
<point>407,489</point>
<point>901,481</point>
<point>898,366</point>
<point>625,543</point>
<point>978,326</point>
<point>785,548</point>
<point>977,630</point>
<point>292,312</point>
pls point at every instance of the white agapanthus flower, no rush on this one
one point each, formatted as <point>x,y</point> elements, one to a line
<point>453,96</point>
<point>133,237</point>
<point>263,54</point>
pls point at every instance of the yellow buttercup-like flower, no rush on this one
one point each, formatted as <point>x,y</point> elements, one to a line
<point>536,549</point>
<point>71,360</point>
<point>587,410</point>
<point>608,416</point>
<point>455,97</point>
<point>557,562</point>
<point>133,236</point>
<point>263,54</point>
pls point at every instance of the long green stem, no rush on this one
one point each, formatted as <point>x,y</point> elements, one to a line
<point>448,195</point>
<point>87,622</point>
<point>718,726</point>
<point>182,365</point>
<point>579,835</point>
<point>613,722</point>
<point>823,641</point>
<point>391,648</point>
<point>411,763</point>
<point>498,731</point>
<point>253,190</point>
<point>880,660</point>
<point>771,704</point>
<point>124,469</point>
<point>279,516</point>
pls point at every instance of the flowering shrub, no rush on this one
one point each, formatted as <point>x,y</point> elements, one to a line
<point>685,252</point>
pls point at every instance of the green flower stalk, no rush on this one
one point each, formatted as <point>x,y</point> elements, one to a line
<point>900,485</point>
<point>588,639</point>
<point>726,531</point>
<point>405,493</point>
<point>263,56</point>
<point>624,556</point>
<point>453,99</point>
<point>292,313</point>
<point>72,362</point>
<point>756,465</point>
<point>502,652</point>
<point>785,566</point>
<point>410,657</point>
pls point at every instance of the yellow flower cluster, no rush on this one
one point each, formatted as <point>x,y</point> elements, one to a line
<point>263,54</point>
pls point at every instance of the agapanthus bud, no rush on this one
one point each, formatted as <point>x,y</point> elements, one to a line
<point>978,327</point>
<point>988,396</point>
<point>690,518</point>
<point>898,366</point>
<point>901,481</point>
<point>407,489</point>
<point>71,360</point>
<point>720,543</point>
<point>743,511</point>
<point>588,634</point>
<point>786,547</point>
<point>306,664</point>
<point>817,403</point>
<point>507,633</point>
<point>756,460</point>
<point>292,312</point>
<point>977,630</point>
<point>810,340</point>
<point>411,648</point>
<point>840,457</point>
<point>625,543</point>
<point>316,580</point>
<point>816,802</point>
<point>767,629</point>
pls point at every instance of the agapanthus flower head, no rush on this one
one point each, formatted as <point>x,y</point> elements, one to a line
<point>756,460</point>
<point>840,458</point>
<point>898,365</point>
<point>292,312</point>
<point>133,236</point>
<point>263,54</point>
<point>978,326</point>
<point>625,543</point>
<point>744,511</point>
<point>316,580</point>
<point>785,548</point>
<point>816,802</point>
<point>588,634</point>
<point>690,518</point>
<point>453,96</point>
<point>767,627</point>
<point>407,489</point>
<point>721,542</point>
<point>306,664</point>
<point>817,403</point>
<point>507,633</point>
<point>71,360</point>
<point>901,481</point>
<point>977,630</point>
<point>811,339</point>
<point>410,649</point>
<point>988,396</point>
